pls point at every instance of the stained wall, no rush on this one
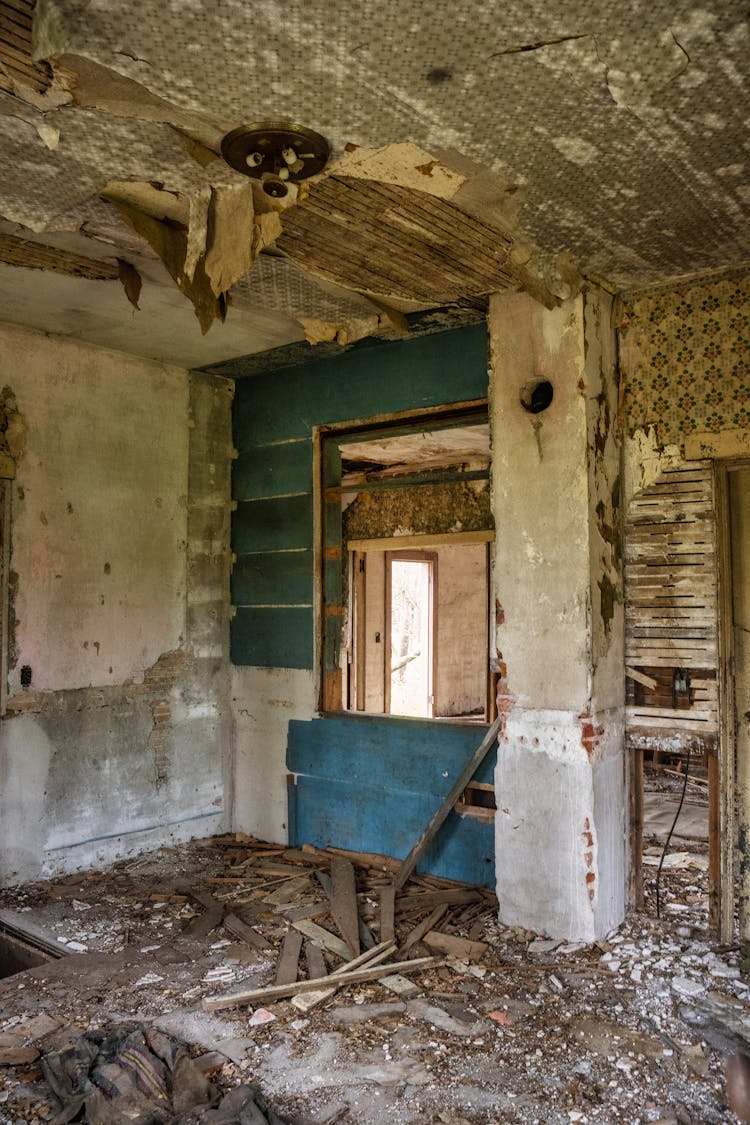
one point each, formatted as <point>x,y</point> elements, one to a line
<point>118,591</point>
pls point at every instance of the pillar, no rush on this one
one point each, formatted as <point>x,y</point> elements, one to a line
<point>560,779</point>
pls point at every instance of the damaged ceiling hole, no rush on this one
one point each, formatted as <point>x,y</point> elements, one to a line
<point>536,395</point>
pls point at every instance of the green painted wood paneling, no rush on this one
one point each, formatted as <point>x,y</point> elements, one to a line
<point>273,638</point>
<point>364,382</point>
<point>272,525</point>
<point>273,578</point>
<point>273,470</point>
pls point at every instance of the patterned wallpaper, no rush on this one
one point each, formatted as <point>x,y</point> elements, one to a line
<point>685,356</point>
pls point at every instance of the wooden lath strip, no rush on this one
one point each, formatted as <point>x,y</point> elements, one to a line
<point>390,239</point>
<point>16,63</point>
<point>16,251</point>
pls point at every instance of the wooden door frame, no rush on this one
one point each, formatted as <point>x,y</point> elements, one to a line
<point>722,806</point>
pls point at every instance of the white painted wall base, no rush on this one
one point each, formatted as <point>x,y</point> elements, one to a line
<point>263,702</point>
<point>560,828</point>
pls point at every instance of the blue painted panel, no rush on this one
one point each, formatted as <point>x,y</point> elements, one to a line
<point>273,470</point>
<point>270,525</point>
<point>273,578</point>
<point>272,638</point>
<point>381,820</point>
<point>363,382</point>
<point>372,784</point>
<point>418,755</point>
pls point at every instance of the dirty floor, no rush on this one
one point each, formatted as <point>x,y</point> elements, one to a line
<point>501,1027</point>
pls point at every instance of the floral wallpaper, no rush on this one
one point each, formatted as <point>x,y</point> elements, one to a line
<point>685,356</point>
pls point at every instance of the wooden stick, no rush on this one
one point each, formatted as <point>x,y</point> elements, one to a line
<point>640,677</point>
<point>449,801</point>
<point>342,978</point>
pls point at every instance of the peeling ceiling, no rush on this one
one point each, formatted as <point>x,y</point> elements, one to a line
<point>613,136</point>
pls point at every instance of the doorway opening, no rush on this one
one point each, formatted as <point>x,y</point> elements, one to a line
<point>410,632</point>
<point>406,533</point>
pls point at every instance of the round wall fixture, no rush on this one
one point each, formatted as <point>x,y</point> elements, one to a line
<point>536,395</point>
<point>276,153</point>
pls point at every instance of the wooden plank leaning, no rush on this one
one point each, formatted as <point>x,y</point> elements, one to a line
<point>449,801</point>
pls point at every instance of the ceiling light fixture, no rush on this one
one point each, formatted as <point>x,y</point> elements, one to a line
<point>276,153</point>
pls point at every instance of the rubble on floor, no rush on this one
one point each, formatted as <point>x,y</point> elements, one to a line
<point>480,1023</point>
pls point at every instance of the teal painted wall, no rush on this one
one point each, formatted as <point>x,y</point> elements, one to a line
<point>365,783</point>
<point>274,414</point>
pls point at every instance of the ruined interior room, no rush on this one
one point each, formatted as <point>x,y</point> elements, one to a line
<point>374,563</point>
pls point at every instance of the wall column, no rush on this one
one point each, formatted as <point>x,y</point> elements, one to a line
<point>560,778</point>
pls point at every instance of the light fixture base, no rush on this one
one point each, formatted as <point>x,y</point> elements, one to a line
<point>275,152</point>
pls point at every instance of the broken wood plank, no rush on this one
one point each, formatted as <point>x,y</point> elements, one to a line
<point>364,859</point>
<point>453,946</point>
<point>241,930</point>
<point>311,910</point>
<point>344,902</point>
<point>203,924</point>
<point>410,903</point>
<point>641,678</point>
<point>286,968</point>
<point>305,1001</point>
<point>422,928</point>
<point>448,802</point>
<point>398,984</point>
<point>387,911</point>
<point>322,937</point>
<point>288,890</point>
<point>316,966</point>
<point>345,977</point>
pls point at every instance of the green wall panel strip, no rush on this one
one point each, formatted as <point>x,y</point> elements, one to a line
<point>273,638</point>
<point>273,470</point>
<point>272,525</point>
<point>273,578</point>
<point>386,379</point>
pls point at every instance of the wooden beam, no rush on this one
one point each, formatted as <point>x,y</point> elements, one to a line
<point>448,803</point>
<point>241,930</point>
<point>280,992</point>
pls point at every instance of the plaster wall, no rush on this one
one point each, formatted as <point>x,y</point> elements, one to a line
<point>560,778</point>
<point>119,591</point>
<point>264,700</point>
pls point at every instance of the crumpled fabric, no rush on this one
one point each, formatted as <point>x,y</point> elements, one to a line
<point>132,1075</point>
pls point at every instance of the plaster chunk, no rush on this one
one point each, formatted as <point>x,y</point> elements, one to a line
<point>405,165</point>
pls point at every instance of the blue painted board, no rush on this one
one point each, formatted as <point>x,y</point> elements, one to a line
<point>273,470</point>
<point>273,578</point>
<point>362,383</point>
<point>375,819</point>
<point>418,755</point>
<point>272,638</point>
<point>272,525</point>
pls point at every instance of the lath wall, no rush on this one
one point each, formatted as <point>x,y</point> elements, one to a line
<point>671,611</point>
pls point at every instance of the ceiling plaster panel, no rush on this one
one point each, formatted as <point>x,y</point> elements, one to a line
<point>627,123</point>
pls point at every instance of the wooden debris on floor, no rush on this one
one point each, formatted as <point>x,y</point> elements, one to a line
<point>333,918</point>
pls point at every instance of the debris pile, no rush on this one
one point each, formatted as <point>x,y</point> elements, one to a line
<point>304,973</point>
